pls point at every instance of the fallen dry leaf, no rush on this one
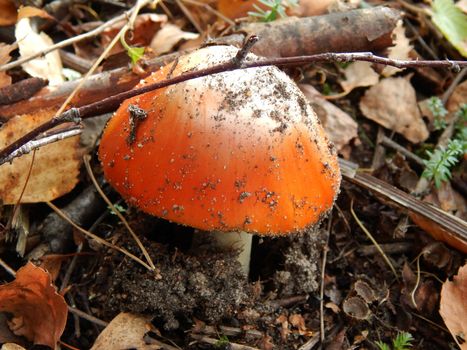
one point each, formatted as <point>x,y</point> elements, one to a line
<point>39,312</point>
<point>359,74</point>
<point>400,51</point>
<point>169,36</point>
<point>339,126</point>
<point>458,97</point>
<point>5,57</point>
<point>29,42</point>
<point>29,11</point>
<point>392,103</point>
<point>55,170</point>
<point>307,8</point>
<point>453,306</point>
<point>7,13</point>
<point>12,346</point>
<point>143,30</point>
<point>125,331</point>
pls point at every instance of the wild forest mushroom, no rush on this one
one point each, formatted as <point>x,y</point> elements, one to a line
<point>239,151</point>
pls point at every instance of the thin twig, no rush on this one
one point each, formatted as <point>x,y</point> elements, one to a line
<point>120,216</point>
<point>88,317</point>
<point>95,237</point>
<point>64,43</point>
<point>386,141</point>
<point>372,239</point>
<point>214,342</point>
<point>321,289</point>
<point>36,144</point>
<point>7,268</point>
<point>412,294</point>
<point>111,103</point>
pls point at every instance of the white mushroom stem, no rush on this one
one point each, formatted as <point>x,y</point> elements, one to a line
<point>240,241</point>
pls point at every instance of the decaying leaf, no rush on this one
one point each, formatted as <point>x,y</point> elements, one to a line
<point>12,346</point>
<point>400,51</point>
<point>29,11</point>
<point>453,306</point>
<point>125,331</point>
<point>458,97</point>
<point>29,42</point>
<point>392,103</point>
<point>307,8</point>
<point>169,36</point>
<point>359,74</point>
<point>7,13</point>
<point>39,312</point>
<point>55,170</point>
<point>143,30</point>
<point>5,50</point>
<point>339,126</point>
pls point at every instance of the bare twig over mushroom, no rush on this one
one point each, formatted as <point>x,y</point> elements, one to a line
<point>111,103</point>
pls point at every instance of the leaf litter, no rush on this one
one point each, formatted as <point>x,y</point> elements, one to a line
<point>278,307</point>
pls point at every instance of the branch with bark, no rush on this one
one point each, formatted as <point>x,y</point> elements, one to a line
<point>109,104</point>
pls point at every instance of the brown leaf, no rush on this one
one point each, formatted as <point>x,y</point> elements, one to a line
<point>400,51</point>
<point>453,306</point>
<point>5,57</point>
<point>55,170</point>
<point>144,28</point>
<point>392,103</point>
<point>458,97</point>
<point>359,74</point>
<point>29,11</point>
<point>7,13</point>
<point>307,8</point>
<point>169,36</point>
<point>30,42</point>
<point>339,126</point>
<point>39,312</point>
<point>125,331</point>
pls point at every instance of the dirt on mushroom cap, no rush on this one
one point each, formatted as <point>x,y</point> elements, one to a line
<point>239,150</point>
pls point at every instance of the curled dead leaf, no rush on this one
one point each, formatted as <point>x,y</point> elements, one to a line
<point>453,307</point>
<point>32,297</point>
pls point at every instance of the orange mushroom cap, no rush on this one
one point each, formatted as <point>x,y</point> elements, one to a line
<point>239,150</point>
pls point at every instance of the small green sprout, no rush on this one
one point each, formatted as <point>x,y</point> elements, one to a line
<point>135,53</point>
<point>222,342</point>
<point>403,341</point>
<point>276,9</point>
<point>443,159</point>
<point>120,208</point>
<point>439,112</point>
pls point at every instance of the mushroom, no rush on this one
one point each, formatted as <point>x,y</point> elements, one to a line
<point>238,151</point>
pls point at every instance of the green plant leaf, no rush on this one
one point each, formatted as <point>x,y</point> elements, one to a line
<point>452,22</point>
<point>403,341</point>
<point>135,53</point>
<point>382,346</point>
